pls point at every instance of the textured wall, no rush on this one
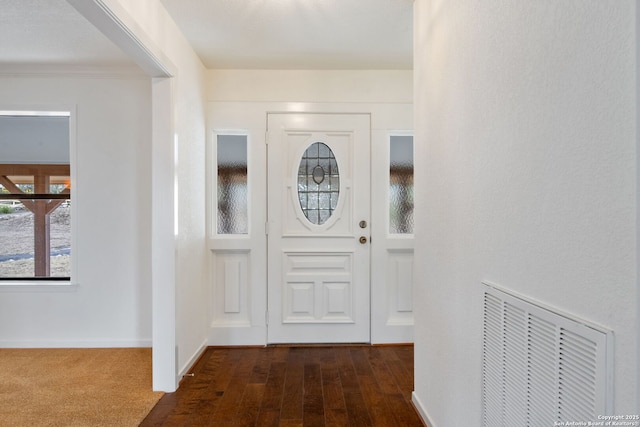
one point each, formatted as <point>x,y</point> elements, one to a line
<point>526,177</point>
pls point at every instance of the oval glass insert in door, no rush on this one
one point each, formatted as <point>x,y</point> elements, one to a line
<point>318,183</point>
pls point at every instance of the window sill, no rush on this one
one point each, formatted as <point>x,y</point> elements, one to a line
<point>37,286</point>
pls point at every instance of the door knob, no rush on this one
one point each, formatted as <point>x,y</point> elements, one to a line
<point>363,240</point>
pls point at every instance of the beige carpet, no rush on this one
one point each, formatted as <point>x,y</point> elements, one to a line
<point>75,387</point>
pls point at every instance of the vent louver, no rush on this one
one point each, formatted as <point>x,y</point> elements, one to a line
<point>540,366</point>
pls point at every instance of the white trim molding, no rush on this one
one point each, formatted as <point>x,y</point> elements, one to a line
<point>115,23</point>
<point>422,411</point>
<point>144,343</point>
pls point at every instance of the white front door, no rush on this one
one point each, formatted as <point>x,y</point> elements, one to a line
<point>318,228</point>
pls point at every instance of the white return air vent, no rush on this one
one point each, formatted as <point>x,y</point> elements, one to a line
<point>539,366</point>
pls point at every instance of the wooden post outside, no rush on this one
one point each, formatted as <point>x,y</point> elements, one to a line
<point>41,208</point>
<point>41,228</point>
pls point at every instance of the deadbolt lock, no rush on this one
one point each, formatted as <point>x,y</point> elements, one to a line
<point>363,240</point>
<point>363,224</point>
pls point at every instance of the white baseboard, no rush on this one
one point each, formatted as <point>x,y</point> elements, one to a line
<point>237,335</point>
<point>192,360</point>
<point>422,411</point>
<point>76,344</point>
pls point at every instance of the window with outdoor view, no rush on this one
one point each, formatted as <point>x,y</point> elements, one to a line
<point>35,196</point>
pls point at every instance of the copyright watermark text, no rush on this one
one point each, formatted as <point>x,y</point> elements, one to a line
<point>604,420</point>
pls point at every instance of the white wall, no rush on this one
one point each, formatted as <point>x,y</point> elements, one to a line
<point>110,306</point>
<point>339,86</point>
<point>526,153</point>
<point>188,108</point>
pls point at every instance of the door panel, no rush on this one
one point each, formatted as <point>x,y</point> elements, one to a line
<point>236,239</point>
<point>318,193</point>
<point>392,257</point>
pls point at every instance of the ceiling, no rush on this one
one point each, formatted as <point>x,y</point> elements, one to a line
<point>243,34</point>
<point>52,32</point>
<point>298,34</point>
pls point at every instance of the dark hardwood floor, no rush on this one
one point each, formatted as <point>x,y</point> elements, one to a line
<point>294,386</point>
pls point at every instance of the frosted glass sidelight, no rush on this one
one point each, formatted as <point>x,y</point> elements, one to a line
<point>233,216</point>
<point>318,183</point>
<point>401,184</point>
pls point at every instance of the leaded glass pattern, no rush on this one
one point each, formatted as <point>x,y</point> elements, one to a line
<point>318,183</point>
<point>232,184</point>
<point>401,184</point>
